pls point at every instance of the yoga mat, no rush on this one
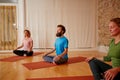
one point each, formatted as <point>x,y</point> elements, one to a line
<point>65,78</point>
<point>16,58</point>
<point>43,64</point>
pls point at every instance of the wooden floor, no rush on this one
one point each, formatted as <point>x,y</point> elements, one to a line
<point>16,71</point>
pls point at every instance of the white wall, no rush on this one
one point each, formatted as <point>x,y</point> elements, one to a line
<point>103,49</point>
<point>79,17</point>
<point>20,20</point>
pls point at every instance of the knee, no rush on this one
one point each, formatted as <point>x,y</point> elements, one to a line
<point>44,57</point>
<point>92,62</point>
<point>61,61</point>
<point>14,51</point>
<point>29,53</point>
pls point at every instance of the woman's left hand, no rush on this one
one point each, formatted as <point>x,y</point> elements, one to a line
<point>111,73</point>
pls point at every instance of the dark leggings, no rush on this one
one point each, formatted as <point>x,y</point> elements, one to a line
<point>22,52</point>
<point>50,59</point>
<point>99,67</point>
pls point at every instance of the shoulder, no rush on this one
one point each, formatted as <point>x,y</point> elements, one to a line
<point>65,38</point>
<point>30,39</point>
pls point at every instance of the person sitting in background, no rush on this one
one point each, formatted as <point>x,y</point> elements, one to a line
<point>27,45</point>
<point>101,70</point>
<point>61,48</point>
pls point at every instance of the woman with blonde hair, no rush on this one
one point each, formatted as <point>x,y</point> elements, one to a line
<point>101,70</point>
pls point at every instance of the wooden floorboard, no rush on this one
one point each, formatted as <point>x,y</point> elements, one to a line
<point>16,71</point>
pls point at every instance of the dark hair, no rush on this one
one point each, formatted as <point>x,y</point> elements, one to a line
<point>63,28</point>
<point>28,32</point>
<point>116,20</point>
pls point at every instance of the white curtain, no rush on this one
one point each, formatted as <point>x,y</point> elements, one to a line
<point>8,31</point>
<point>78,16</point>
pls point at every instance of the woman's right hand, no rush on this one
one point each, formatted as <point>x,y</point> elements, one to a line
<point>88,59</point>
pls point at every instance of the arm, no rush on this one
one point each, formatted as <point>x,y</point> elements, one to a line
<point>89,59</point>
<point>31,46</point>
<point>65,52</point>
<point>19,47</point>
<point>61,55</point>
<point>49,52</point>
<point>111,73</point>
<point>118,69</point>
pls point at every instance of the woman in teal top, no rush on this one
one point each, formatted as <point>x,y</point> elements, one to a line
<point>101,70</point>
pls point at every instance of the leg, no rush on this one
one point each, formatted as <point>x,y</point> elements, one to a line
<point>19,52</point>
<point>98,68</point>
<point>48,58</point>
<point>61,61</point>
<point>29,53</point>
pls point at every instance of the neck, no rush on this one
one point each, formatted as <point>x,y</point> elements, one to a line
<point>117,38</point>
<point>26,37</point>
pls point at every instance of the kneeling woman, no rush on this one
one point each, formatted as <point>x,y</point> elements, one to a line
<point>27,45</point>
